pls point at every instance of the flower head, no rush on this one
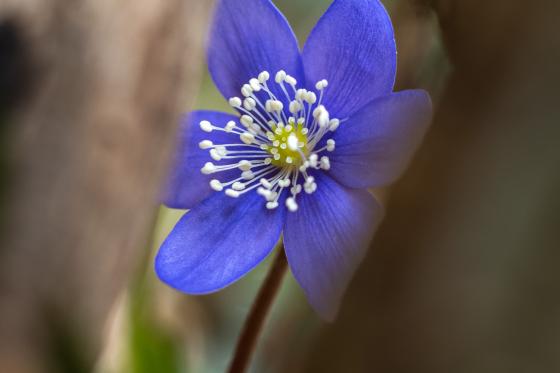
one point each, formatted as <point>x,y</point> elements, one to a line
<point>314,130</point>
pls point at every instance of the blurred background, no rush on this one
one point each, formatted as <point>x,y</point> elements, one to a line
<point>463,275</point>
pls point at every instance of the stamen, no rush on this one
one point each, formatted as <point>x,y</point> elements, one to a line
<point>206,126</point>
<point>291,204</point>
<point>274,152</point>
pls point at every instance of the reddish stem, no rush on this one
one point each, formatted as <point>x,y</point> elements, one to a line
<point>257,316</point>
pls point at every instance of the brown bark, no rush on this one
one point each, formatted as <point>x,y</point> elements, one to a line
<point>463,275</point>
<point>89,144</point>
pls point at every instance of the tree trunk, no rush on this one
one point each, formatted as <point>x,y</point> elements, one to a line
<point>463,274</point>
<point>98,87</point>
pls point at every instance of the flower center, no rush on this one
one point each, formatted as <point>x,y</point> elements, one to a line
<point>288,144</point>
<point>278,149</point>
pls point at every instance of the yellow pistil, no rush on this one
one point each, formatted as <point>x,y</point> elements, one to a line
<point>279,147</point>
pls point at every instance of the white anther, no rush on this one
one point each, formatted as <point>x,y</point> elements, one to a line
<point>265,183</point>
<point>221,150</point>
<point>296,189</point>
<point>246,120</point>
<point>216,185</point>
<point>249,103</point>
<point>229,126</point>
<point>295,107</point>
<point>292,142</point>
<point>333,124</point>
<point>232,193</point>
<point>264,192</point>
<point>330,145</point>
<point>246,90</point>
<point>289,128</point>
<point>269,196</point>
<point>280,76</point>
<point>283,146</point>
<point>318,111</point>
<point>289,160</point>
<point>205,144</point>
<point>323,118</point>
<point>290,80</point>
<point>300,94</point>
<point>255,84</point>
<point>215,155</point>
<point>208,168</point>
<point>284,183</point>
<point>267,161</point>
<point>291,204</point>
<point>311,98</point>
<point>321,84</point>
<point>276,157</point>
<point>238,186</point>
<point>248,175</point>
<point>271,205</point>
<point>244,165</point>
<point>325,163</point>
<point>313,158</point>
<point>275,105</point>
<point>235,102</point>
<point>206,126</point>
<point>254,128</point>
<point>263,77</point>
<point>310,188</point>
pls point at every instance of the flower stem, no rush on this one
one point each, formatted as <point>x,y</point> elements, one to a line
<point>259,311</point>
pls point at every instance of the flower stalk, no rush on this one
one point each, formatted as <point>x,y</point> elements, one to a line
<point>254,323</point>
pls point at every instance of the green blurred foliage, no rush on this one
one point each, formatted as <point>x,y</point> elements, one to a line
<point>152,348</point>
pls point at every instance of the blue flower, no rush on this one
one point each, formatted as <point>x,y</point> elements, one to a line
<point>315,130</point>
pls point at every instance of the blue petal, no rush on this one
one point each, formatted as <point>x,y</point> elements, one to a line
<point>217,242</point>
<point>186,185</point>
<point>375,145</point>
<point>326,239</point>
<point>246,38</point>
<point>353,47</point>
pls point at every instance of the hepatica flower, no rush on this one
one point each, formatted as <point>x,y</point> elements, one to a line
<point>314,129</point>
